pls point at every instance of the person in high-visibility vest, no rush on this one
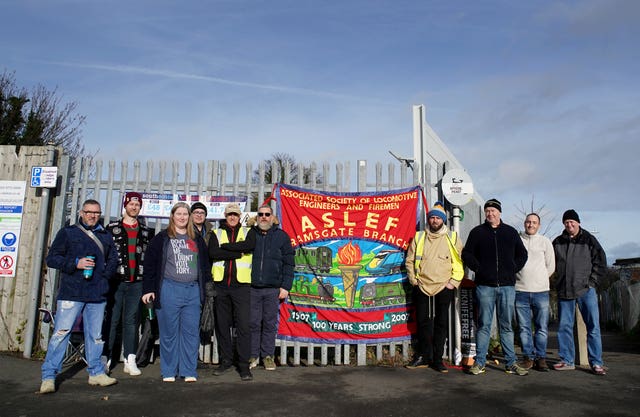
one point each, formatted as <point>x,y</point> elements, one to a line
<point>434,268</point>
<point>232,279</point>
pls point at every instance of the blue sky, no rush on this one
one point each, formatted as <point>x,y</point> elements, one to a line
<point>536,98</point>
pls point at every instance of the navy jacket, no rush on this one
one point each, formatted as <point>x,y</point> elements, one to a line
<point>154,266</point>
<point>71,244</point>
<point>580,264</point>
<point>273,262</point>
<point>494,254</point>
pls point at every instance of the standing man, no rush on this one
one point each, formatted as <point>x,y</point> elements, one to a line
<point>494,251</point>
<point>532,294</point>
<point>580,265</point>
<point>434,268</point>
<point>76,248</point>
<point>232,277</point>
<point>200,223</point>
<point>271,280</point>
<point>131,237</point>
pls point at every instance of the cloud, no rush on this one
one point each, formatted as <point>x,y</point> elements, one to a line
<point>182,75</point>
<point>624,251</point>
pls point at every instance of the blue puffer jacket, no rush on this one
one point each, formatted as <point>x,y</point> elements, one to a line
<point>71,244</point>
<point>272,263</point>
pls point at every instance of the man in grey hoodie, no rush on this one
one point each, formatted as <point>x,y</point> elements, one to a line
<point>532,294</point>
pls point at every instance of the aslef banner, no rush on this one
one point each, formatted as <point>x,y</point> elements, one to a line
<point>350,283</point>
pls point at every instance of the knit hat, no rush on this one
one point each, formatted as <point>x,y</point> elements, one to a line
<point>570,215</point>
<point>232,208</point>
<point>437,210</point>
<point>132,196</point>
<point>493,203</point>
<point>199,205</point>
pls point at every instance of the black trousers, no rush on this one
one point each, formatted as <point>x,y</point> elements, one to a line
<point>432,332</point>
<point>233,305</point>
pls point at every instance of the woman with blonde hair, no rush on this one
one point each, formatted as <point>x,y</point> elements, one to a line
<point>176,268</point>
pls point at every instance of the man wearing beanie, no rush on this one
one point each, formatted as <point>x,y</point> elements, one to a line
<point>131,237</point>
<point>495,253</point>
<point>580,264</point>
<point>434,268</point>
<point>201,225</point>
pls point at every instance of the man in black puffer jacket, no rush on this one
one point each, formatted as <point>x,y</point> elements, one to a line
<point>495,252</point>
<point>580,264</point>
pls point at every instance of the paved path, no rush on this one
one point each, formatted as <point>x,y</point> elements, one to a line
<point>334,391</point>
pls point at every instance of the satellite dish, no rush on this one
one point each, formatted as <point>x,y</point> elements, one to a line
<point>457,187</point>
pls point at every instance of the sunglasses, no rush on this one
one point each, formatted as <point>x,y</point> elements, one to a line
<point>264,214</point>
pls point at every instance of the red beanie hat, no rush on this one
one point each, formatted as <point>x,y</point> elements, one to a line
<point>132,196</point>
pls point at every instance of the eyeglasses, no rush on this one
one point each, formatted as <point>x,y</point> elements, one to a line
<point>264,214</point>
<point>94,213</point>
<point>199,213</point>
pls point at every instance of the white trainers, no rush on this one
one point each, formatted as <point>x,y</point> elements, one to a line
<point>103,380</point>
<point>48,386</point>
<point>130,366</point>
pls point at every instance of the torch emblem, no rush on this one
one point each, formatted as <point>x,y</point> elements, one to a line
<point>349,257</point>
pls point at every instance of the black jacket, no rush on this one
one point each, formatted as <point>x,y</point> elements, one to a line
<point>580,263</point>
<point>120,238</point>
<point>494,254</point>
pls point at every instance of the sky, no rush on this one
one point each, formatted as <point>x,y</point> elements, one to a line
<point>539,100</point>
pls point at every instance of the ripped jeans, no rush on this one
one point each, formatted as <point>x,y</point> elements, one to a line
<point>65,317</point>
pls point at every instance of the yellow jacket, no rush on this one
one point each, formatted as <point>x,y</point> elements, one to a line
<point>433,260</point>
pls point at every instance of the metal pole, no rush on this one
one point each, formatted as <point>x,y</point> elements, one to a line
<point>456,356</point>
<point>36,266</point>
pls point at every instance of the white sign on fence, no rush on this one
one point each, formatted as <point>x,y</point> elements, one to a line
<point>44,177</point>
<point>11,208</point>
<point>159,205</point>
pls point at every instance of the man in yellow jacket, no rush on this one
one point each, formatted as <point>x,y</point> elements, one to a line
<point>435,270</point>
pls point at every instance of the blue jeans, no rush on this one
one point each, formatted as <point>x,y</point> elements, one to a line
<point>65,317</point>
<point>588,305</point>
<point>126,311</point>
<point>265,307</point>
<point>179,326</point>
<point>488,299</point>
<point>533,306</point>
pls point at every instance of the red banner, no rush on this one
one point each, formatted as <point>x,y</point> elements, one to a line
<point>350,283</point>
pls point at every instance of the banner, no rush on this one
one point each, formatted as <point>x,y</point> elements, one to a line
<point>350,283</point>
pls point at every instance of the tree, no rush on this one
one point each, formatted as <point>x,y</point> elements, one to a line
<point>287,170</point>
<point>541,210</point>
<point>38,117</point>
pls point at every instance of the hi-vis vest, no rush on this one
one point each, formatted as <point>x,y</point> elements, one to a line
<point>457,269</point>
<point>243,265</point>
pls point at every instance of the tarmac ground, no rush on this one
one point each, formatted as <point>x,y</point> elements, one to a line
<point>334,391</point>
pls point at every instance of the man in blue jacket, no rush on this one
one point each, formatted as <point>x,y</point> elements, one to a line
<point>495,252</point>
<point>271,281</point>
<point>76,249</point>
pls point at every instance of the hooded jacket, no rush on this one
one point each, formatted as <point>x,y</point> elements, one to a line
<point>494,254</point>
<point>580,263</point>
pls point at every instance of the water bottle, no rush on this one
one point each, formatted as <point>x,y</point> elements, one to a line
<point>88,272</point>
<point>149,313</point>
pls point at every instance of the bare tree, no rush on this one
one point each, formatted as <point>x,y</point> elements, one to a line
<point>547,218</point>
<point>38,117</point>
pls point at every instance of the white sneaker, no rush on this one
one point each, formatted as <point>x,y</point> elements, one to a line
<point>130,366</point>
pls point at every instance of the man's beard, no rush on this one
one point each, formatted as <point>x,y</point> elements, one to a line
<point>436,230</point>
<point>264,226</point>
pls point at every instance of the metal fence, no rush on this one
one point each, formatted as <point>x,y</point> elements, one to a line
<point>108,181</point>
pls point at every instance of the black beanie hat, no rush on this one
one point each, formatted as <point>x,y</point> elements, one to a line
<point>199,205</point>
<point>493,203</point>
<point>570,215</point>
